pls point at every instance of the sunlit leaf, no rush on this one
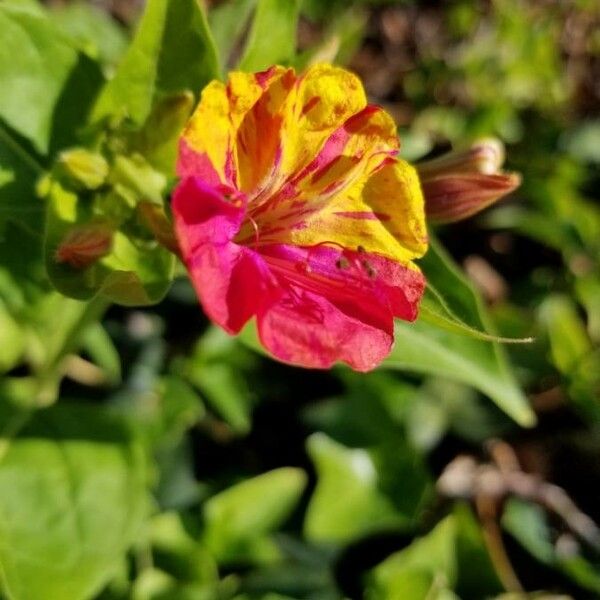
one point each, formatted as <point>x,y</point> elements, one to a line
<point>272,37</point>
<point>172,51</point>
<point>76,475</point>
<point>426,348</point>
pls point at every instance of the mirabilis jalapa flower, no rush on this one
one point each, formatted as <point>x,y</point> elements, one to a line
<point>294,208</point>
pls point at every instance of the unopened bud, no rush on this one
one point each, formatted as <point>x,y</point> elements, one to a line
<point>86,169</point>
<point>154,218</point>
<point>85,244</point>
<point>462,183</point>
<point>158,139</point>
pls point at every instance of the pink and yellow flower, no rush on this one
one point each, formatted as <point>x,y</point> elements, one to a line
<point>293,208</point>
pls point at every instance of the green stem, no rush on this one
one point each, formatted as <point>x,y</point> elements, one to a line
<point>80,315</point>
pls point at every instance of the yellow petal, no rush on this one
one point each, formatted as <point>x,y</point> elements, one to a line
<point>382,216</point>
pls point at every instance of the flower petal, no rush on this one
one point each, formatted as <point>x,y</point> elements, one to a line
<point>232,282</point>
<point>204,214</point>
<point>383,216</point>
<point>370,283</point>
<point>207,147</point>
<point>352,153</point>
<point>307,329</point>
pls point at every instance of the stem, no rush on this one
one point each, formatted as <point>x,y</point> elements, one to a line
<point>49,373</point>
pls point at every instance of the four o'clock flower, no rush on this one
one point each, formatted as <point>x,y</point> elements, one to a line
<point>293,208</point>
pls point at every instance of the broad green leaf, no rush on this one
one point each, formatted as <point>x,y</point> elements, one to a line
<point>425,348</point>
<point>349,500</point>
<point>238,520</point>
<point>453,556</point>
<point>134,273</point>
<point>272,37</point>
<point>72,498</point>
<point>179,552</point>
<point>227,23</point>
<point>428,563</point>
<point>35,63</point>
<point>92,29</point>
<point>172,51</point>
<point>572,352</point>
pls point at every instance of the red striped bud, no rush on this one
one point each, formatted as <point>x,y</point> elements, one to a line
<point>462,183</point>
<point>85,244</point>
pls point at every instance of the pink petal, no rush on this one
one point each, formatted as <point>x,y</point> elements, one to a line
<point>203,214</point>
<point>232,282</point>
<point>338,305</point>
<point>350,277</point>
<point>304,328</point>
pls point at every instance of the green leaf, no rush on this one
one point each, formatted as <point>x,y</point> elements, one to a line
<point>436,311</point>
<point>452,556</point>
<point>569,341</point>
<point>238,519</point>
<point>349,500</point>
<point>92,29</point>
<point>179,552</point>
<point>69,470</point>
<point>428,563</point>
<point>272,38</point>
<point>35,63</point>
<point>425,348</point>
<point>528,524</point>
<point>227,23</point>
<point>218,368</point>
<point>172,51</point>
<point>136,272</point>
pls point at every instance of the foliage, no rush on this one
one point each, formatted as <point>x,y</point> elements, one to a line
<point>145,454</point>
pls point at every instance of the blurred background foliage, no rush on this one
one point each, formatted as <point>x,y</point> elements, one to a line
<point>146,455</point>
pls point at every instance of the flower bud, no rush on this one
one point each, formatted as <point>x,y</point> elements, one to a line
<point>462,183</point>
<point>154,218</point>
<point>85,244</point>
<point>86,169</point>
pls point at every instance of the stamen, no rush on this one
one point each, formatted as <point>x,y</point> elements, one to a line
<point>256,231</point>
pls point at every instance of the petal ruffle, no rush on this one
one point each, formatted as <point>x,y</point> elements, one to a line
<point>305,328</point>
<point>369,282</point>
<point>337,305</point>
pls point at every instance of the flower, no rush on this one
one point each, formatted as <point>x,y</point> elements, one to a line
<point>462,183</point>
<point>292,207</point>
